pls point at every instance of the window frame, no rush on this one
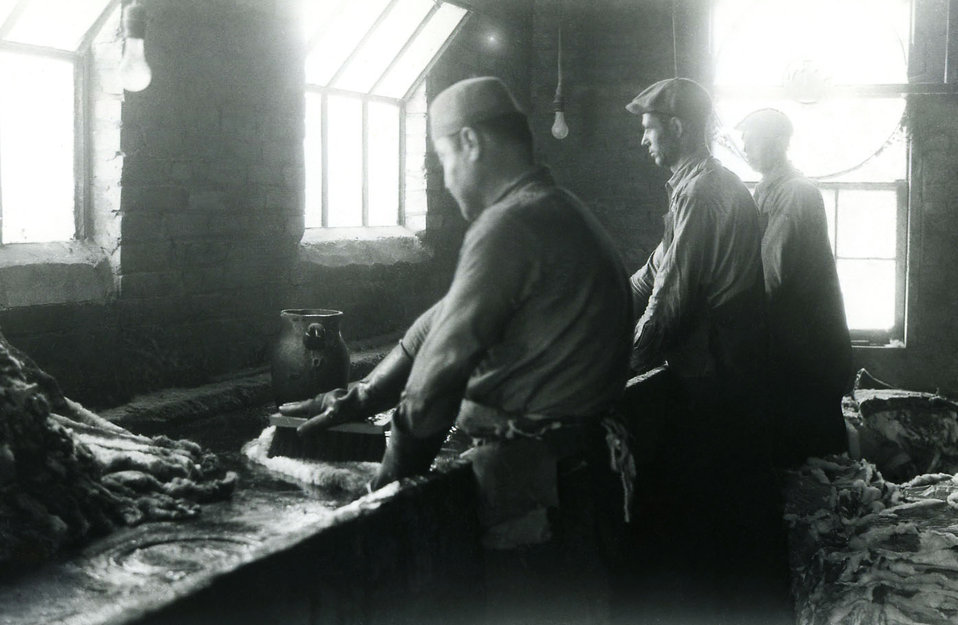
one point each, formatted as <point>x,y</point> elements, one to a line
<point>896,335</point>
<point>866,337</point>
<point>324,93</point>
<point>401,103</point>
<point>81,59</point>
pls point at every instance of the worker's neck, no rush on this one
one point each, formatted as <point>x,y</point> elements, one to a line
<point>693,154</point>
<point>502,177</point>
<point>774,165</point>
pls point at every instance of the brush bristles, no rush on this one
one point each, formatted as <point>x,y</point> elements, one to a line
<point>328,445</point>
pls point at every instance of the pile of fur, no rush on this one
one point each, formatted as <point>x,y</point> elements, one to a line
<point>864,550</point>
<point>67,474</point>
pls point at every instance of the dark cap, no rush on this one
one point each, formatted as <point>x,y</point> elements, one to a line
<point>675,97</point>
<point>468,102</point>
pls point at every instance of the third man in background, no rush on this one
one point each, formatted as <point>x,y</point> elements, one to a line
<point>809,346</point>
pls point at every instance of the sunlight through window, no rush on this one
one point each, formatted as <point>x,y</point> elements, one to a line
<point>837,69</point>
<point>364,67</point>
<point>41,43</point>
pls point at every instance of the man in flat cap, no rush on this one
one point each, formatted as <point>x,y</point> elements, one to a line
<point>809,346</point>
<point>526,353</point>
<point>710,493</point>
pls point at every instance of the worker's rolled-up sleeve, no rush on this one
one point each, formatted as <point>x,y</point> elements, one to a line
<point>676,284</point>
<point>415,336</point>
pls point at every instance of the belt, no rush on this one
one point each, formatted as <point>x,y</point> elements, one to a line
<point>566,436</point>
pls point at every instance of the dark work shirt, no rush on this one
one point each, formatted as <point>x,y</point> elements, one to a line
<point>536,321</point>
<point>700,293</point>
<point>809,340</point>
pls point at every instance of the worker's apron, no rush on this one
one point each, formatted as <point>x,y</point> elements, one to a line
<point>519,459</point>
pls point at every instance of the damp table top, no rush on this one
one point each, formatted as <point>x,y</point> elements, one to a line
<point>136,570</point>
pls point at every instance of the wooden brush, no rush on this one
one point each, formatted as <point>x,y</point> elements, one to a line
<point>362,440</point>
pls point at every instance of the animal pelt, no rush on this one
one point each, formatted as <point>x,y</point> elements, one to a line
<point>67,474</point>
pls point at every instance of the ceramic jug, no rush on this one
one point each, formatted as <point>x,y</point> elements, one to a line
<point>310,356</point>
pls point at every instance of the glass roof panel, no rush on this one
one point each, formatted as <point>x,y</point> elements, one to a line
<point>384,43</point>
<point>345,31</point>
<point>408,67</point>
<point>6,6</point>
<point>318,14</point>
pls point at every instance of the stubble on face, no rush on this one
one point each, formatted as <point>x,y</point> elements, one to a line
<point>656,137</point>
<point>458,176</point>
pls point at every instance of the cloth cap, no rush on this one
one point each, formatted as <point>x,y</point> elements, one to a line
<point>768,122</point>
<point>468,102</point>
<point>675,97</point>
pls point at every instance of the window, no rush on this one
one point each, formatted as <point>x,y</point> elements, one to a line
<point>838,69</point>
<point>365,139</point>
<point>42,43</point>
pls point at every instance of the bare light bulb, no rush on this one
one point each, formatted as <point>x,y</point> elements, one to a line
<point>135,73</point>
<point>560,129</point>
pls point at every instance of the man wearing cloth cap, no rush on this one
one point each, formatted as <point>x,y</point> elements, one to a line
<point>526,352</point>
<point>699,298</point>
<point>809,345</point>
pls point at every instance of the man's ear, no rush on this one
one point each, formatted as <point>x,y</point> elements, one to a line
<point>678,127</point>
<point>471,142</point>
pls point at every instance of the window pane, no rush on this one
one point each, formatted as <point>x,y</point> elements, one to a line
<point>318,15</point>
<point>339,40</point>
<point>867,223</point>
<point>383,164</point>
<point>383,45</point>
<point>848,42</point>
<point>830,137</point>
<point>313,154</point>
<point>6,6</point>
<point>56,23</point>
<point>419,54</point>
<point>345,128</point>
<point>868,287</point>
<point>888,164</point>
<point>36,148</point>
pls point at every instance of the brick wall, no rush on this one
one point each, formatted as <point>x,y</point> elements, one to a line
<point>613,48</point>
<point>930,359</point>
<point>197,200</point>
<point>208,212</point>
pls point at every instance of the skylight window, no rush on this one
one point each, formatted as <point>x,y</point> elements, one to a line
<point>363,70</point>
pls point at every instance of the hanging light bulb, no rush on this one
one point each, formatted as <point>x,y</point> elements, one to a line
<point>560,129</point>
<point>135,73</point>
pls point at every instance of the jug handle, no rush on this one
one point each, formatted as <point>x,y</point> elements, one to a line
<point>313,338</point>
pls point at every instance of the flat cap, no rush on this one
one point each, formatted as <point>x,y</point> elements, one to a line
<point>768,122</point>
<point>675,97</point>
<point>468,102</point>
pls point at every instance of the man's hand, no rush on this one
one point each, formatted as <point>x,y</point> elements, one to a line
<point>326,410</point>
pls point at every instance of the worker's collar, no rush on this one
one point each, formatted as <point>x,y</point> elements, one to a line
<point>538,173</point>
<point>688,168</point>
<point>780,174</point>
<point>784,170</point>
